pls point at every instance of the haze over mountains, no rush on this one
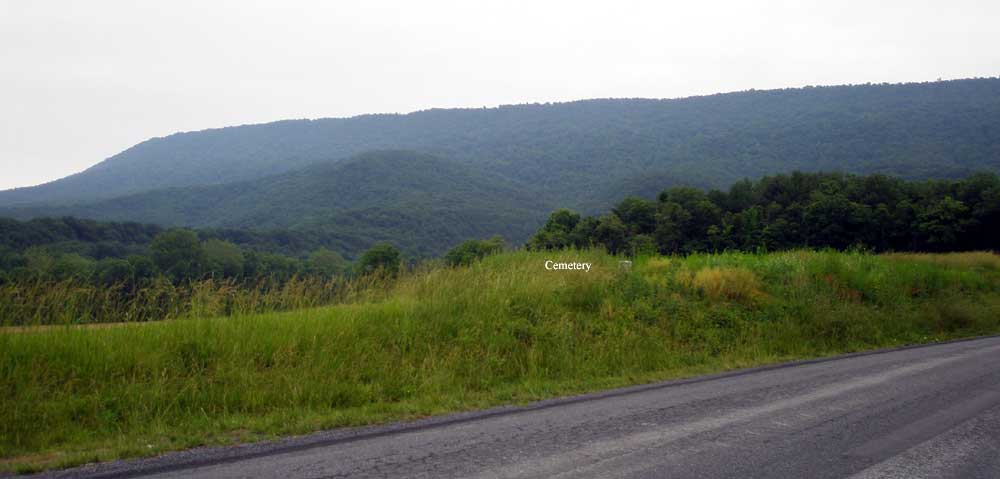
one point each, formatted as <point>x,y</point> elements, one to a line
<point>453,174</point>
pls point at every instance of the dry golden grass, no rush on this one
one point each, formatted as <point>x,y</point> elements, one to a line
<point>732,284</point>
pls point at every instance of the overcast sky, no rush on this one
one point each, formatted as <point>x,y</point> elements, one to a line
<point>83,80</point>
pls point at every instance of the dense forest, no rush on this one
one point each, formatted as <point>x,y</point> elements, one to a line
<point>799,210</point>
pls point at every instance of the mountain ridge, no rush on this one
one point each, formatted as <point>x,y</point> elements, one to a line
<point>914,130</point>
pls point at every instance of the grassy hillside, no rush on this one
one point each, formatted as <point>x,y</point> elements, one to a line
<point>504,330</point>
<point>422,203</point>
<point>588,151</point>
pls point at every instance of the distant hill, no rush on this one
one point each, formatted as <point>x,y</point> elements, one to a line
<point>584,154</point>
<point>422,203</point>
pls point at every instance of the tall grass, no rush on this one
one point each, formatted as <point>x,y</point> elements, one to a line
<point>502,330</point>
<point>45,302</point>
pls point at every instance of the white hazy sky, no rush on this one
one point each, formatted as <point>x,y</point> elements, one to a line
<point>83,80</point>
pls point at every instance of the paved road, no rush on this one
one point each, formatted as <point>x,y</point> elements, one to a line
<point>929,412</point>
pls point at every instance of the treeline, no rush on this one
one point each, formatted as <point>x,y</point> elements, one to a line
<point>812,210</point>
<point>100,239</point>
<point>584,152</point>
<point>133,255</point>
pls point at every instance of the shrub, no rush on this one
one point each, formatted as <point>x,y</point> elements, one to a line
<point>732,284</point>
<point>382,257</point>
<point>473,250</point>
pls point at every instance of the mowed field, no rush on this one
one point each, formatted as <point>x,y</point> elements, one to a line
<point>504,330</point>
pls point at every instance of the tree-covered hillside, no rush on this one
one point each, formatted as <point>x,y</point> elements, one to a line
<point>586,154</point>
<point>419,202</point>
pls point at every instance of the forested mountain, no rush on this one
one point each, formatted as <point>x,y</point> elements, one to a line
<point>586,154</point>
<point>421,203</point>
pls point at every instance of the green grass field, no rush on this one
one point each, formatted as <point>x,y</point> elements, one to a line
<point>502,331</point>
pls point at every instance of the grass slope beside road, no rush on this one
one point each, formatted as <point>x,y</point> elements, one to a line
<point>504,330</point>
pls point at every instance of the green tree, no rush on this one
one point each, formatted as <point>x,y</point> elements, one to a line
<point>562,220</point>
<point>584,234</point>
<point>223,259</point>
<point>179,255</point>
<point>611,233</point>
<point>113,271</point>
<point>39,261</point>
<point>671,221</point>
<point>944,223</point>
<point>143,268</point>
<point>833,220</point>
<point>74,266</point>
<point>638,215</point>
<point>327,263</point>
<point>382,257</point>
<point>269,265</point>
<point>557,231</point>
<point>640,245</point>
<point>473,250</point>
<point>11,259</point>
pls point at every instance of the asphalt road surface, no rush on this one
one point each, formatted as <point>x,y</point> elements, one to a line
<point>924,412</point>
